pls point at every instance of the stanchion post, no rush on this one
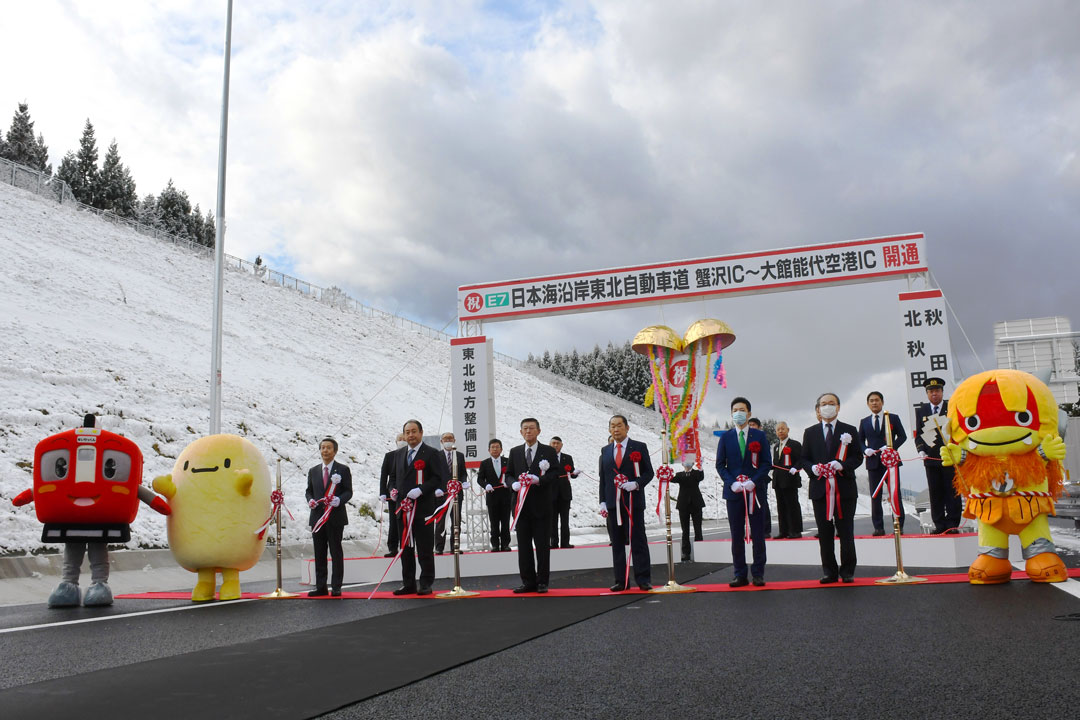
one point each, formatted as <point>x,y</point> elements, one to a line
<point>672,586</point>
<point>278,593</point>
<point>900,577</point>
<point>457,592</point>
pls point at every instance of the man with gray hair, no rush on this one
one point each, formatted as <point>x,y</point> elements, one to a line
<point>787,479</point>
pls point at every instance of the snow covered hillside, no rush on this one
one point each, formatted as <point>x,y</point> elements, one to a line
<point>97,318</point>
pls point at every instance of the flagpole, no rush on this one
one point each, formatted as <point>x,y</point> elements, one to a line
<point>219,239</point>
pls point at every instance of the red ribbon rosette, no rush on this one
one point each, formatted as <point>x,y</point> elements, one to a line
<point>277,501</point>
<point>891,460</point>
<point>754,448</point>
<point>786,452</point>
<point>406,507</point>
<point>419,465</point>
<point>453,489</point>
<point>635,457</point>
<point>749,503</point>
<point>525,482</point>
<point>664,474</point>
<point>569,469</point>
<point>832,491</point>
<point>621,480</point>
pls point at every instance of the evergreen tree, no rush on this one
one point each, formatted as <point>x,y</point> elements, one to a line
<point>84,183</point>
<point>209,230</point>
<point>545,362</point>
<point>3,146</point>
<point>22,146</point>
<point>115,189</point>
<point>148,212</point>
<point>69,169</point>
<point>175,208</point>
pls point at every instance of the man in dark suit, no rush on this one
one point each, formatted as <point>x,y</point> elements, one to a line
<point>447,440</point>
<point>873,439</point>
<point>690,503</point>
<point>419,470</point>
<point>945,503</point>
<point>393,532</point>
<point>743,459</point>
<point>329,485</point>
<point>616,459</point>
<point>561,495</point>
<point>538,462</point>
<point>492,477</point>
<point>787,454</point>
<point>833,444</point>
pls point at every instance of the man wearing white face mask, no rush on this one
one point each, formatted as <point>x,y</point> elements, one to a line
<point>831,453</point>
<point>393,531</point>
<point>743,459</point>
<point>447,440</point>
<point>690,503</point>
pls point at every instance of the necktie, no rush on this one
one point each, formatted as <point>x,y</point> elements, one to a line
<point>528,457</point>
<point>325,478</point>
<point>449,461</point>
<point>828,437</point>
<point>618,454</point>
<point>937,409</point>
<point>742,443</point>
<point>412,454</point>
<point>877,424</point>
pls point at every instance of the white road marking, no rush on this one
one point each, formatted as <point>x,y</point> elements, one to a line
<point>1069,586</point>
<point>124,616</point>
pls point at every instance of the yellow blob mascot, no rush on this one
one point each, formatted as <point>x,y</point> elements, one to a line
<point>219,491</point>
<point>1005,446</point>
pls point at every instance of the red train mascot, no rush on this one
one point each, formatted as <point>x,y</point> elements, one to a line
<point>87,488</point>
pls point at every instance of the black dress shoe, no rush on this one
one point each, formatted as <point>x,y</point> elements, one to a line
<point>567,546</point>
<point>758,582</point>
<point>617,587</point>
<point>541,588</point>
<point>318,592</point>
<point>438,552</point>
<point>522,589</point>
<point>739,582</point>
<point>848,580</point>
<point>644,586</point>
<point>405,591</point>
<point>794,536</point>
<point>685,558</point>
<point>879,533</point>
<point>506,548</point>
<point>827,580</point>
<point>335,593</point>
<point>392,553</point>
<point>423,591</point>
<point>768,535</point>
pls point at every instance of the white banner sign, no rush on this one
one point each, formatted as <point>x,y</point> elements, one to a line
<point>924,330</point>
<point>830,264</point>
<point>472,373</point>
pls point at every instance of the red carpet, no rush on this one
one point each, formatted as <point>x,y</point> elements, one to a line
<point>602,592</point>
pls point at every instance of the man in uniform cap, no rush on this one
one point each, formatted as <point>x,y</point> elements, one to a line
<point>945,503</point>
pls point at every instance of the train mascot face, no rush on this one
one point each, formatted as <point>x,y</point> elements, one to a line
<point>219,491</point>
<point>1005,446</point>
<point>87,488</point>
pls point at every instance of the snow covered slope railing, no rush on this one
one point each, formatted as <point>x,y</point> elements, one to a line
<point>36,182</point>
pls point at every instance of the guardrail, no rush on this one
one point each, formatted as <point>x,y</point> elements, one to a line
<point>53,187</point>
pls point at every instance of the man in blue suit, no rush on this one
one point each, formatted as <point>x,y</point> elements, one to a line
<point>629,458</point>
<point>872,438</point>
<point>743,459</point>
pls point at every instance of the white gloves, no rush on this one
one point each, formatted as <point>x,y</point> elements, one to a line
<point>464,484</point>
<point>794,471</point>
<point>836,465</point>
<point>415,493</point>
<point>439,493</point>
<point>575,473</point>
<point>883,447</point>
<point>312,504</point>
<point>488,488</point>
<point>603,509</point>
<point>923,455</point>
<point>533,478</point>
<point>817,469</point>
<point>748,485</point>
<point>544,465</point>
<point>630,486</point>
<point>868,452</point>
<point>516,486</point>
<point>335,502</point>
<point>382,498</point>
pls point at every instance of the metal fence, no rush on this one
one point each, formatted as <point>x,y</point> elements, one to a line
<point>53,187</point>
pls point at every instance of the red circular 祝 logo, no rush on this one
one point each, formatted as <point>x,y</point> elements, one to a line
<point>474,302</point>
<point>677,374</point>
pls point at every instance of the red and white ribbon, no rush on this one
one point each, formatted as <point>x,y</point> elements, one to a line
<point>1017,493</point>
<point>453,489</point>
<point>277,501</point>
<point>664,475</point>
<point>786,452</point>
<point>635,457</point>
<point>325,500</point>
<point>620,480</point>
<point>419,465</point>
<point>525,482</point>
<point>845,440</point>
<point>832,491</point>
<point>891,460</point>
<point>754,448</point>
<point>407,509</point>
<point>749,503</point>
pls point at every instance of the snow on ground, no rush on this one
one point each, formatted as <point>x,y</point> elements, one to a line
<point>97,318</point>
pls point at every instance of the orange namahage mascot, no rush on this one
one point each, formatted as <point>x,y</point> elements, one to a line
<point>1004,444</point>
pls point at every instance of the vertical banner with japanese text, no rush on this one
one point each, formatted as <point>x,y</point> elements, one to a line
<point>472,375</point>
<point>924,329</point>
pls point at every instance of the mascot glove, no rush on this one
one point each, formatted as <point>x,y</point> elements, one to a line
<point>630,486</point>
<point>439,493</point>
<point>794,471</point>
<point>415,493</point>
<point>312,504</point>
<point>544,466</point>
<point>836,465</point>
<point>869,451</point>
<point>950,455</point>
<point>748,485</point>
<point>335,478</point>
<point>335,502</point>
<point>394,494</point>
<point>488,488</point>
<point>516,486</point>
<point>1053,448</point>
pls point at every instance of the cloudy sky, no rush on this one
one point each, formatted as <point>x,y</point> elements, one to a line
<point>400,149</point>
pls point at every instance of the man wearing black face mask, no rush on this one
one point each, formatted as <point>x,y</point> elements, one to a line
<point>831,453</point>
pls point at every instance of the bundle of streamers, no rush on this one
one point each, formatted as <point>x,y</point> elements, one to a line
<point>679,411</point>
<point>453,489</point>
